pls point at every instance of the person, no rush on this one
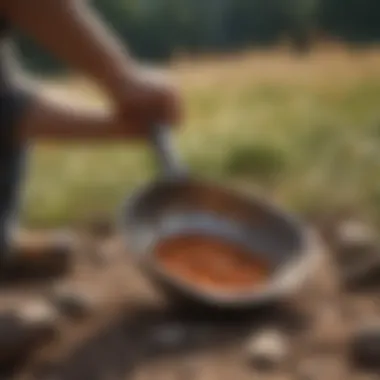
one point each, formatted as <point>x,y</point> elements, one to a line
<point>73,32</point>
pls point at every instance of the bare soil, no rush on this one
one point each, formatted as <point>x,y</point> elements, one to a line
<point>134,334</point>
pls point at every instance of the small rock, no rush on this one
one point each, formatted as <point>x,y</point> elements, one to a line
<point>71,303</point>
<point>358,252</point>
<point>22,331</point>
<point>354,240</point>
<point>364,347</point>
<point>42,256</point>
<point>10,334</point>
<point>40,320</point>
<point>355,233</point>
<point>38,314</point>
<point>169,336</point>
<point>364,275</point>
<point>268,350</point>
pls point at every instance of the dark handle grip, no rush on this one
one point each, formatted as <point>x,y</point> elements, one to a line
<point>166,154</point>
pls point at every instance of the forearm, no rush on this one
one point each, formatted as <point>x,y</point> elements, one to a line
<point>52,120</point>
<point>75,34</point>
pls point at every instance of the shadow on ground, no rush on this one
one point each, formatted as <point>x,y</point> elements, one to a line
<point>150,334</point>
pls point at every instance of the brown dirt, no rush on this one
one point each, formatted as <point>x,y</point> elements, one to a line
<point>134,335</point>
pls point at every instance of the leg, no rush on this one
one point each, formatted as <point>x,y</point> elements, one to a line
<point>12,159</point>
<point>11,174</point>
<point>20,254</point>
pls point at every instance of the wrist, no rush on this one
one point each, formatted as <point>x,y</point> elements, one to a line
<point>118,82</point>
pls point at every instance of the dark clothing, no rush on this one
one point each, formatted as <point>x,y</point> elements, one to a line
<point>13,103</point>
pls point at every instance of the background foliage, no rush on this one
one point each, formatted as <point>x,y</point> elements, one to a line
<point>303,128</point>
<point>157,29</point>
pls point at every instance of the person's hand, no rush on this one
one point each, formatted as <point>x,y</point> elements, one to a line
<point>148,100</point>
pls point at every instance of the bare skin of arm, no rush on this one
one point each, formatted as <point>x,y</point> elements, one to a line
<point>47,119</point>
<point>72,32</point>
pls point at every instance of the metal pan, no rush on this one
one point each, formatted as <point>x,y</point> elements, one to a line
<point>178,205</point>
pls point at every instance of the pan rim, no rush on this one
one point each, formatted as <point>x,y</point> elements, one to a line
<point>288,278</point>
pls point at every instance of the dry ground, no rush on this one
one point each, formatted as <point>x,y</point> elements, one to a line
<point>132,334</point>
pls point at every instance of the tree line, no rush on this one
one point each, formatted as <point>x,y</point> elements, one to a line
<point>157,29</point>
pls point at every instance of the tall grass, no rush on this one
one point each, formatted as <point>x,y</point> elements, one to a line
<point>305,129</point>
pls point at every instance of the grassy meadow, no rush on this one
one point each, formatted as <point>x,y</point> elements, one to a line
<point>305,131</point>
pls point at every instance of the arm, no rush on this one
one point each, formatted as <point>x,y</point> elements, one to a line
<point>52,120</point>
<point>71,31</point>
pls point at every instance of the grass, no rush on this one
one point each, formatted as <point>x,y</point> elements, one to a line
<point>307,130</point>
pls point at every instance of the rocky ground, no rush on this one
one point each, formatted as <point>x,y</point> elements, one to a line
<point>103,321</point>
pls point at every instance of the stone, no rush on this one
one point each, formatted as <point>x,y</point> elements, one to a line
<point>169,336</point>
<point>71,303</point>
<point>364,347</point>
<point>356,233</point>
<point>363,275</point>
<point>357,253</point>
<point>39,256</point>
<point>22,331</point>
<point>354,238</point>
<point>267,350</point>
<point>37,313</point>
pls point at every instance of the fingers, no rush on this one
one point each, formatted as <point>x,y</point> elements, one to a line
<point>153,105</point>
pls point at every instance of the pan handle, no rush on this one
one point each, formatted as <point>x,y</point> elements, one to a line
<point>166,153</point>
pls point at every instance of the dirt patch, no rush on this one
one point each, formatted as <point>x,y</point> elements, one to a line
<point>133,334</point>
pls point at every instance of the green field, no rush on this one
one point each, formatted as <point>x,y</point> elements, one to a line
<point>304,130</point>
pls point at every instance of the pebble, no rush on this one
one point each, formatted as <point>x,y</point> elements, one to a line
<point>71,303</point>
<point>49,256</point>
<point>364,347</point>
<point>24,330</point>
<point>358,253</point>
<point>38,314</point>
<point>355,233</point>
<point>354,241</point>
<point>267,350</point>
<point>169,336</point>
<point>363,276</point>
